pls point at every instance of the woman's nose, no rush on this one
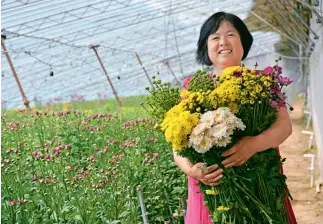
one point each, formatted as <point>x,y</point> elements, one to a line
<point>223,41</point>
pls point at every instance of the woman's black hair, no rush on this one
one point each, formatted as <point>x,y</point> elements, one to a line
<point>211,25</point>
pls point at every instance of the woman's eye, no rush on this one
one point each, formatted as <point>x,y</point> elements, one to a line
<point>215,38</point>
<point>231,35</point>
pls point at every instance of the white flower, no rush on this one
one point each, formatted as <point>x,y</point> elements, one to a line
<point>223,141</point>
<point>220,114</point>
<point>208,118</point>
<point>239,124</point>
<point>199,128</point>
<point>204,145</point>
<point>195,139</point>
<point>218,131</point>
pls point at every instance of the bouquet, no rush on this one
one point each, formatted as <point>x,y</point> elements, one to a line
<point>213,114</point>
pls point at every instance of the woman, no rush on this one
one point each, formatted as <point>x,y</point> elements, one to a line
<point>224,41</point>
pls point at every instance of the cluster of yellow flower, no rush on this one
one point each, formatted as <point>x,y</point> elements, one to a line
<point>178,124</point>
<point>240,85</point>
<point>227,94</point>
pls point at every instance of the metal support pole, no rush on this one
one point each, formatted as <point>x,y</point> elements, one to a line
<point>177,50</point>
<point>143,68</point>
<point>283,20</point>
<point>272,26</point>
<point>26,102</point>
<point>296,24</point>
<point>171,71</point>
<point>105,72</point>
<point>183,207</point>
<point>142,205</point>
<point>301,19</point>
<point>312,9</point>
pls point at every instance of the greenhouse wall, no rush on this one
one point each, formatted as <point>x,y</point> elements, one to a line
<point>315,91</point>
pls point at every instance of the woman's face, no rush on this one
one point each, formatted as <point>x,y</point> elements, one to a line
<point>224,46</point>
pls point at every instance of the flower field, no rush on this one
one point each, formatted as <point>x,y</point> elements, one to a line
<point>86,166</point>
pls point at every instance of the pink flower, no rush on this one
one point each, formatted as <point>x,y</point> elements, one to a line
<point>21,201</point>
<point>91,158</point>
<point>48,157</point>
<point>284,81</point>
<point>268,71</point>
<point>57,153</point>
<point>12,203</point>
<point>33,179</point>
<point>273,104</point>
<point>69,169</point>
<point>6,160</point>
<point>155,155</point>
<point>68,146</point>
<point>278,69</point>
<point>8,150</point>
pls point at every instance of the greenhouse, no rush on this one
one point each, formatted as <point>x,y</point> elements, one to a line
<point>111,111</point>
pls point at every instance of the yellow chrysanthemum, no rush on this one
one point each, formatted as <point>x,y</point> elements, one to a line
<point>212,192</point>
<point>222,208</point>
<point>177,129</point>
<point>227,72</point>
<point>258,88</point>
<point>185,93</point>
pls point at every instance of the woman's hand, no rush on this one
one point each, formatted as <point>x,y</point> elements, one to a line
<point>241,151</point>
<point>277,133</point>
<point>208,175</point>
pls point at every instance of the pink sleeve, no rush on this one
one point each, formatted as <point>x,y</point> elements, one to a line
<point>185,82</point>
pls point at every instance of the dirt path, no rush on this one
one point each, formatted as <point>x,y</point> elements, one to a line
<point>307,204</point>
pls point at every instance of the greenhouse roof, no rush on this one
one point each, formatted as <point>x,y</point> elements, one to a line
<point>49,42</point>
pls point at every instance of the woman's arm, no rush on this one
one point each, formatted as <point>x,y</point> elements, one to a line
<point>207,175</point>
<point>276,134</point>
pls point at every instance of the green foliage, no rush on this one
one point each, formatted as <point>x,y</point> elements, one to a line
<point>161,99</point>
<point>75,167</point>
<point>201,82</point>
